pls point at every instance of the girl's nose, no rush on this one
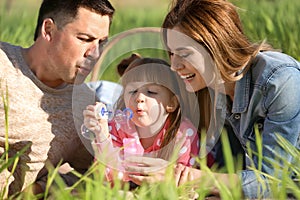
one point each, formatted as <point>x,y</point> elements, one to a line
<point>140,98</point>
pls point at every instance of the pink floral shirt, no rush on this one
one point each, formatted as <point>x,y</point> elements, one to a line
<point>187,134</point>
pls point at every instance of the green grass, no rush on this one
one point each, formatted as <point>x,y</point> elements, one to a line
<point>91,185</point>
<point>274,20</point>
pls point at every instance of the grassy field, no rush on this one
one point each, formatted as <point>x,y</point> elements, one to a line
<point>276,21</point>
<point>273,20</point>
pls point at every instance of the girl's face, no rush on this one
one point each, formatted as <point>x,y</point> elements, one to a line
<point>149,103</point>
<point>190,60</point>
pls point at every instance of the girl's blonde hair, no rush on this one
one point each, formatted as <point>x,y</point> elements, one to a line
<point>159,72</point>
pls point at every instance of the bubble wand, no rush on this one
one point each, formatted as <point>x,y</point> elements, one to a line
<point>101,112</point>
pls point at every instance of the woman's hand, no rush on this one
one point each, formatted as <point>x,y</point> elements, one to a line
<point>145,169</point>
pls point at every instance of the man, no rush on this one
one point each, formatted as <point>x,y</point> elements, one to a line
<point>38,83</point>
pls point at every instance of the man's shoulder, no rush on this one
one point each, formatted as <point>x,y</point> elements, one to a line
<point>6,62</point>
<point>5,47</point>
<point>7,52</point>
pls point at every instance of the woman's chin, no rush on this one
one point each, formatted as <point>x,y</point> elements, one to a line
<point>190,88</point>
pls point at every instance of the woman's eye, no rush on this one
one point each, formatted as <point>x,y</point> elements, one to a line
<point>184,54</point>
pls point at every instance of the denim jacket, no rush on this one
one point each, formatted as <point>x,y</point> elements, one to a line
<point>269,96</point>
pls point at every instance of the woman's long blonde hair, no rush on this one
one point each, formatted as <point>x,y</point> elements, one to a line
<point>215,24</point>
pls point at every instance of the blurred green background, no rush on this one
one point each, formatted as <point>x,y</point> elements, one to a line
<point>276,21</point>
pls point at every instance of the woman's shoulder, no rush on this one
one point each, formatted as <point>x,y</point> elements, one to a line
<point>270,60</point>
<point>268,63</point>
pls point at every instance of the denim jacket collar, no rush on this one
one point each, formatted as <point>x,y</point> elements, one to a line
<point>241,94</point>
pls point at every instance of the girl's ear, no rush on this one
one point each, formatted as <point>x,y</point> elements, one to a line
<point>47,28</point>
<point>173,104</point>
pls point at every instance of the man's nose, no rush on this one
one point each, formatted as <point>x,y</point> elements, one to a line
<point>94,51</point>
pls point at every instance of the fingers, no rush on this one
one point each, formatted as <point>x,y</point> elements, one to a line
<point>177,173</point>
<point>145,165</point>
<point>184,176</point>
<point>90,108</point>
<point>89,112</point>
<point>147,161</point>
<point>90,120</point>
<point>152,174</point>
<point>91,123</point>
<point>139,179</point>
<point>143,170</point>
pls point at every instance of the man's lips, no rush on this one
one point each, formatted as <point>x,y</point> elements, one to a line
<point>84,70</point>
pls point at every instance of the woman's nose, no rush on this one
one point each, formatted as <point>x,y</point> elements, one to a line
<point>176,64</point>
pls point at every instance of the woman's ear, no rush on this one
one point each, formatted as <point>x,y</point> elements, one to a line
<point>173,104</point>
<point>47,28</point>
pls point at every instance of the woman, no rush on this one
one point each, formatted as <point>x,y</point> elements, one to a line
<point>209,49</point>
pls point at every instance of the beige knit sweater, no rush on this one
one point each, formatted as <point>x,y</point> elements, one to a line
<point>42,118</point>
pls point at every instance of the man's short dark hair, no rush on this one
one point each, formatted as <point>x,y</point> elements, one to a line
<point>63,12</point>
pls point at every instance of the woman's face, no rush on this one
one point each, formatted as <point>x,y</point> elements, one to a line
<point>190,60</point>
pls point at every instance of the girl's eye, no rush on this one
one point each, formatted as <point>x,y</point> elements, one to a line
<point>151,92</point>
<point>132,92</point>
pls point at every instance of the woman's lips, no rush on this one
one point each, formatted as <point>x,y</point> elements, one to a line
<point>188,76</point>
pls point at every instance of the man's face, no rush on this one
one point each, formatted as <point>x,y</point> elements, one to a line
<point>75,48</point>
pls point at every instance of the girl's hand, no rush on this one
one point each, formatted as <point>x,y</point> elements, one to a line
<point>182,174</point>
<point>145,169</point>
<point>95,124</point>
<point>90,120</point>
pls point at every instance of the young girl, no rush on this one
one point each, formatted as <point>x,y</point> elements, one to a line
<point>153,125</point>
